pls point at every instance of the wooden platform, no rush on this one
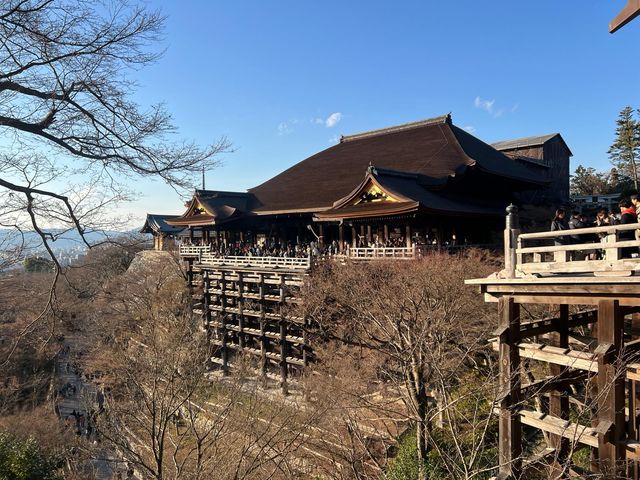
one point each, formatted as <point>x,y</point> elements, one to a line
<point>590,356</point>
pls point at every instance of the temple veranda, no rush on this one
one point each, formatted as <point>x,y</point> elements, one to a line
<point>581,363</point>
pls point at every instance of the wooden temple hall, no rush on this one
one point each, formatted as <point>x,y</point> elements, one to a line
<point>379,194</point>
<point>400,188</point>
<point>569,354</point>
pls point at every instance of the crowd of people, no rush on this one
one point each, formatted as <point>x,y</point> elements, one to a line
<point>629,211</point>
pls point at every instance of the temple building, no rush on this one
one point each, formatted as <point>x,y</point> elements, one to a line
<point>409,186</point>
<point>164,235</point>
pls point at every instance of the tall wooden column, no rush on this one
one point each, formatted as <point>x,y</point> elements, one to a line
<point>283,357</point>
<point>559,400</point>
<point>341,238</point>
<point>263,336</point>
<point>223,321</point>
<point>354,237</point>
<point>510,428</point>
<point>408,236</point>
<point>611,400</point>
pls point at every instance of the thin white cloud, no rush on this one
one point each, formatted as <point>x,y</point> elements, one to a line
<point>318,121</point>
<point>335,139</point>
<point>484,104</point>
<point>284,129</point>
<point>333,119</point>
<point>470,128</point>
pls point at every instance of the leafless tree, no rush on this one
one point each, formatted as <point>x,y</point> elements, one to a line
<point>421,318</point>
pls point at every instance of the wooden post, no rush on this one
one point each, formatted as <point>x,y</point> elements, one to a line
<point>240,301</point>
<point>559,401</point>
<point>283,357</point>
<point>385,233</point>
<point>408,236</point>
<point>354,237</point>
<point>321,235</point>
<point>341,238</point>
<point>511,232</point>
<point>368,235</point>
<point>223,321</point>
<point>510,429</point>
<point>206,296</point>
<point>263,337</point>
<point>611,401</point>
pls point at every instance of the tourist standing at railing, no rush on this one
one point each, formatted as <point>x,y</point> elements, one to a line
<point>636,204</point>
<point>557,224</point>
<point>627,215</point>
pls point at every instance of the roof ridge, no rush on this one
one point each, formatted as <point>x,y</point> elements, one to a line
<point>524,140</point>
<point>397,128</point>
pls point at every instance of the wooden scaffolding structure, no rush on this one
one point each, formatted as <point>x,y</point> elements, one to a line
<point>573,376</point>
<point>246,306</point>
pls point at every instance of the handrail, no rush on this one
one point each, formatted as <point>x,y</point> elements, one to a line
<point>580,231</point>
<point>609,254</point>
<point>257,261</point>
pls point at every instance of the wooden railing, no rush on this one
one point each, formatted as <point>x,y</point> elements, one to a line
<point>263,262</point>
<point>530,253</point>
<point>384,252</point>
<point>194,250</point>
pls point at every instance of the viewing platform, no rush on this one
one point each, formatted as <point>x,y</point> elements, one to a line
<point>573,375</point>
<point>203,255</point>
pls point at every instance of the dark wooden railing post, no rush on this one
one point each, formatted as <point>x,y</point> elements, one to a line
<point>511,232</point>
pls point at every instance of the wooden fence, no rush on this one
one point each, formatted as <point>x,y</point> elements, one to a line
<point>558,252</point>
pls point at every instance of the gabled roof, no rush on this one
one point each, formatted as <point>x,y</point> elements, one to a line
<point>434,149</point>
<point>401,193</point>
<point>526,142</point>
<point>213,207</point>
<point>158,224</point>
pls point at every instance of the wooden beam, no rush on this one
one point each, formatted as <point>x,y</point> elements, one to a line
<point>510,429</point>
<point>611,400</point>
<point>575,432</point>
<point>628,13</point>
<point>559,400</point>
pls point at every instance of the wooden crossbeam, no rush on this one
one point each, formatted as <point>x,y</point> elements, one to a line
<point>546,325</point>
<point>548,423</point>
<point>553,383</point>
<point>630,11</point>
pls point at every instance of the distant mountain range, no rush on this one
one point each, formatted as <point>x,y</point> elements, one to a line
<point>70,240</point>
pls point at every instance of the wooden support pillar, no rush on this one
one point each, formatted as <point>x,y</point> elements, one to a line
<point>611,400</point>
<point>354,237</point>
<point>408,236</point>
<point>263,337</point>
<point>304,347</point>
<point>341,238</point>
<point>361,234</point>
<point>240,301</point>
<point>385,232</point>
<point>206,300</point>
<point>368,235</point>
<point>223,321</point>
<point>559,401</point>
<point>191,235</point>
<point>321,242</point>
<point>283,357</point>
<point>510,428</point>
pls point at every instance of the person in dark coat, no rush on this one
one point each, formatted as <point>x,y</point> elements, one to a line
<point>627,215</point>
<point>559,223</point>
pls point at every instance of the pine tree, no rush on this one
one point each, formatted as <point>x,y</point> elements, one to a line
<point>625,151</point>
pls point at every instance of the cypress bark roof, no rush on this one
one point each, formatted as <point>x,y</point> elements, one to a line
<point>158,224</point>
<point>434,149</point>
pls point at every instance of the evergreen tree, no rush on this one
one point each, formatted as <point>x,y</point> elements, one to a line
<point>625,151</point>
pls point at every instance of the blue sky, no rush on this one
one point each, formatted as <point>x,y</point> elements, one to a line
<point>270,75</point>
